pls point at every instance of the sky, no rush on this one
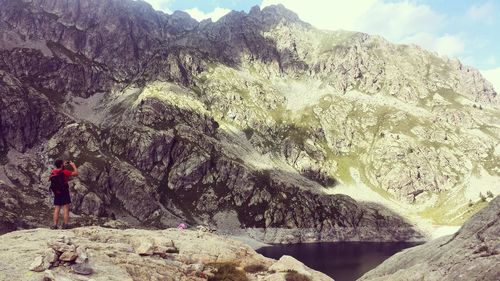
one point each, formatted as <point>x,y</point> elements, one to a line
<point>465,29</point>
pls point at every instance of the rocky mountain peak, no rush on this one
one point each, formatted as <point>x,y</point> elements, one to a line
<point>259,20</point>
<point>274,14</point>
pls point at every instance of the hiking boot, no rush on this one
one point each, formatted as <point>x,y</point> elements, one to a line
<point>54,226</point>
<point>65,226</point>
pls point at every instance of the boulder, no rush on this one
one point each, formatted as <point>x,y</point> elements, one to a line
<point>38,264</point>
<point>68,256</point>
<point>288,263</point>
<point>145,248</point>
<point>50,256</point>
<point>61,246</point>
<point>92,205</point>
<point>82,255</point>
<point>160,249</point>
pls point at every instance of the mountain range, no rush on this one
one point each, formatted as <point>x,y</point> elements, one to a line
<point>257,123</point>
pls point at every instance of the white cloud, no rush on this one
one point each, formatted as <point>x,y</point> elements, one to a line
<point>327,14</point>
<point>215,15</point>
<point>449,45</point>
<point>493,75</point>
<point>482,13</point>
<point>400,22</point>
<point>161,5</point>
<point>397,20</point>
<point>391,20</point>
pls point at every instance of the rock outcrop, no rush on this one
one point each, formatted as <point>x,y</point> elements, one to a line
<point>247,122</point>
<point>94,253</point>
<point>473,253</point>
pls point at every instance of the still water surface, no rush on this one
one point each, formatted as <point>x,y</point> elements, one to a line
<point>343,261</point>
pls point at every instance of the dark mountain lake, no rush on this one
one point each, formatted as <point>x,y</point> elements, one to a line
<point>343,261</point>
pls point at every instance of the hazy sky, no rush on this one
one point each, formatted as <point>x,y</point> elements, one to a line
<point>466,29</point>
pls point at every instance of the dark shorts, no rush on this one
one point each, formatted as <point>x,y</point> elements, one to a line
<point>62,198</point>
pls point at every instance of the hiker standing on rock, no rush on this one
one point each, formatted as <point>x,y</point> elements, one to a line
<point>59,178</point>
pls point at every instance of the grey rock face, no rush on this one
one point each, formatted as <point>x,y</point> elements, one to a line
<point>470,254</point>
<point>26,115</point>
<point>187,125</point>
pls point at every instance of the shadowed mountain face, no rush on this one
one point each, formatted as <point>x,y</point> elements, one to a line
<point>470,254</point>
<point>246,122</point>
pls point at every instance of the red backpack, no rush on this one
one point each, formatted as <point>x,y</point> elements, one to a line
<point>57,183</point>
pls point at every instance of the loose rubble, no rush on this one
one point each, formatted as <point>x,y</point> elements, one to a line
<point>62,252</point>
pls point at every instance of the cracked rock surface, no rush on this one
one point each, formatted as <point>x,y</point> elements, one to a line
<point>473,253</point>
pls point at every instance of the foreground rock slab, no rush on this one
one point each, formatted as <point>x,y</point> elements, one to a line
<point>473,253</point>
<point>122,255</point>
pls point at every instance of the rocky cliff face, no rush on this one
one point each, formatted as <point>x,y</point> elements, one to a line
<point>470,254</point>
<point>247,122</point>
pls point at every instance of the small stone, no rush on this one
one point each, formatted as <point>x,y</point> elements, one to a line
<point>162,250</point>
<point>145,249</point>
<point>38,265</point>
<point>111,254</point>
<point>61,246</point>
<point>50,256</point>
<point>159,250</point>
<point>197,267</point>
<point>68,256</point>
<point>63,239</point>
<point>171,250</point>
<point>82,269</point>
<point>82,255</point>
<point>203,228</point>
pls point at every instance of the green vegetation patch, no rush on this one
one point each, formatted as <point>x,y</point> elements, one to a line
<point>444,212</point>
<point>255,268</point>
<point>295,276</point>
<point>227,272</point>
